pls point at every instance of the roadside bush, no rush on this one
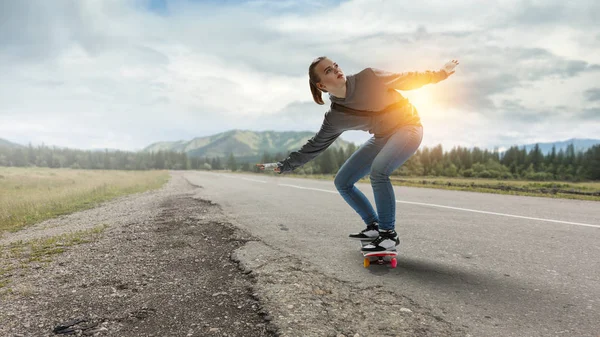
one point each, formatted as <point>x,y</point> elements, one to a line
<point>539,176</point>
<point>468,173</point>
<point>451,171</point>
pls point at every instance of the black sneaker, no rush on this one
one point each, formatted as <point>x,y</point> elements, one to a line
<point>387,240</point>
<point>369,233</point>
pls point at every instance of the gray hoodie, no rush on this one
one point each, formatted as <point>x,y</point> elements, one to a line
<point>371,90</point>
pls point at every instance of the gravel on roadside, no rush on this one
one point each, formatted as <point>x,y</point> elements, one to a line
<point>161,268</point>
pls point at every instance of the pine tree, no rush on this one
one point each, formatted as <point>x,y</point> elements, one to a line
<point>536,158</point>
<point>327,162</point>
<point>592,162</point>
<point>231,163</point>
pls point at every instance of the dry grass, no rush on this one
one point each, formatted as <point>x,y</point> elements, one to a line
<point>31,195</point>
<point>589,186</point>
<point>17,257</point>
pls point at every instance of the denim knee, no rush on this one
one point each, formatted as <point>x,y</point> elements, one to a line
<point>340,183</point>
<point>378,176</point>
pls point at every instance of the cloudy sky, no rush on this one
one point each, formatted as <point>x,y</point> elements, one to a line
<point>126,73</point>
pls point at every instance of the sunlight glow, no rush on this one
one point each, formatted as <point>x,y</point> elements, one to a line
<point>423,99</point>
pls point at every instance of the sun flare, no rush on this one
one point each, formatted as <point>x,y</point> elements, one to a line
<point>423,99</point>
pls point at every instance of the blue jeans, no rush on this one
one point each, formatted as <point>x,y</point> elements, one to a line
<point>379,156</point>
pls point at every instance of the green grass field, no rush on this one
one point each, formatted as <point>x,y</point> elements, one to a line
<point>31,195</point>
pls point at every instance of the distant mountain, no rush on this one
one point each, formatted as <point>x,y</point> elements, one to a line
<point>580,144</point>
<point>243,144</point>
<point>6,143</point>
<point>104,149</point>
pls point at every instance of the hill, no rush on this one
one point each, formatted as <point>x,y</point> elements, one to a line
<point>580,144</point>
<point>6,143</point>
<point>242,143</point>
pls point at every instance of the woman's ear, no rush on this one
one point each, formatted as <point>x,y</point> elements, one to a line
<point>321,86</point>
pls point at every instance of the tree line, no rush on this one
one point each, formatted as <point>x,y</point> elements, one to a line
<point>515,163</point>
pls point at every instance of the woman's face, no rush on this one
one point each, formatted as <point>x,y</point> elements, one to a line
<point>331,75</point>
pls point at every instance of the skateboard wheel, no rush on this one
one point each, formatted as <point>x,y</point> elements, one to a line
<point>366,262</point>
<point>394,263</point>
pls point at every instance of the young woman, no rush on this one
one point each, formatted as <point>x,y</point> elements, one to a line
<point>367,101</point>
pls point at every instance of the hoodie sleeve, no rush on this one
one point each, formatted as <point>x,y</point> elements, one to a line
<point>409,80</point>
<point>315,145</point>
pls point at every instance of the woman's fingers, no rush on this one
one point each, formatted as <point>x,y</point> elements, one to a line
<point>263,166</point>
<point>449,67</point>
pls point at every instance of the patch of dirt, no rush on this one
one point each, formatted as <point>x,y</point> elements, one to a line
<point>302,301</point>
<point>164,272</point>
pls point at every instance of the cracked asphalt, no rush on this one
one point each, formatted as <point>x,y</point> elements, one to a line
<point>470,264</point>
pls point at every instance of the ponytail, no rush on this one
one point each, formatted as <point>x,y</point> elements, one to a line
<point>316,93</point>
<point>313,79</point>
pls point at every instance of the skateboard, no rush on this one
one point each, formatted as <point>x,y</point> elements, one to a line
<point>383,257</point>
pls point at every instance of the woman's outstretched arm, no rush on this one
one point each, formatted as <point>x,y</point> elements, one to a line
<point>414,79</point>
<point>313,147</point>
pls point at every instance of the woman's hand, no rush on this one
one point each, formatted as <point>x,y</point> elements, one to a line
<point>449,67</point>
<point>274,166</point>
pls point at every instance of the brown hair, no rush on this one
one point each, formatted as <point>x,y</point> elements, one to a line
<point>313,79</point>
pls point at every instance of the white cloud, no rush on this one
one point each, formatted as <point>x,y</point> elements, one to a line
<point>112,73</point>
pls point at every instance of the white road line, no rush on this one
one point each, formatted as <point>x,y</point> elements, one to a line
<point>231,176</point>
<point>501,214</point>
<point>258,181</point>
<point>309,188</point>
<point>462,209</point>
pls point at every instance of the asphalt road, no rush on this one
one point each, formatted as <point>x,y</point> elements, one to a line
<point>496,265</point>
